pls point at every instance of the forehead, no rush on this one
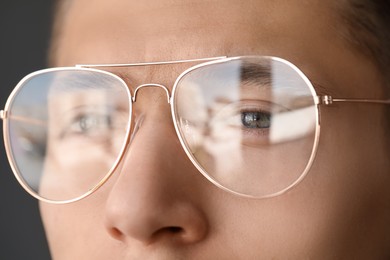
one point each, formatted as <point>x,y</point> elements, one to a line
<point>119,30</point>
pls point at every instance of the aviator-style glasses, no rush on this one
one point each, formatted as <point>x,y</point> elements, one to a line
<point>249,124</point>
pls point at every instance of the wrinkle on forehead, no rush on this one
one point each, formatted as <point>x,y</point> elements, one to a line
<point>304,32</point>
<point>157,30</point>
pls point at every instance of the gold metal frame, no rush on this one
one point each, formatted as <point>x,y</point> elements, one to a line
<point>318,100</point>
<point>5,115</point>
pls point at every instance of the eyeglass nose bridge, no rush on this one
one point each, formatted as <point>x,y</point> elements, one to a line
<point>134,98</point>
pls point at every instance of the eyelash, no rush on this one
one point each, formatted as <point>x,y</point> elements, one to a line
<point>232,117</point>
<point>255,117</point>
<point>75,127</point>
<point>256,135</point>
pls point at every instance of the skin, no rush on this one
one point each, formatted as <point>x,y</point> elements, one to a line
<point>158,206</point>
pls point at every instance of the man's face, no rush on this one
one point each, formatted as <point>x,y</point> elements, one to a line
<point>158,206</point>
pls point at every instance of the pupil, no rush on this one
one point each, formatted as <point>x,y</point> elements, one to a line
<point>87,122</point>
<point>256,119</point>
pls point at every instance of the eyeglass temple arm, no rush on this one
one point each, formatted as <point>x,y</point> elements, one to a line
<point>329,100</point>
<point>3,115</point>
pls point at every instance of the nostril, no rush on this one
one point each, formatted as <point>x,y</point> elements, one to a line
<point>169,231</point>
<point>175,229</point>
<point>116,233</point>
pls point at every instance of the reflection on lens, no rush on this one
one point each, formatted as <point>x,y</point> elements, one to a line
<point>248,123</point>
<point>67,129</point>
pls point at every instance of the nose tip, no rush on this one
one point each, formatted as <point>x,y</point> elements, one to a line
<point>154,197</point>
<point>176,226</point>
<point>153,217</point>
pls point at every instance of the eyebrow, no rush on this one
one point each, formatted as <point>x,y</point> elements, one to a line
<point>261,73</point>
<point>256,73</point>
<point>75,81</point>
<point>251,72</point>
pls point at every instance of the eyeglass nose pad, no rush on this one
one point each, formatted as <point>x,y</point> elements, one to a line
<point>137,126</point>
<point>134,98</point>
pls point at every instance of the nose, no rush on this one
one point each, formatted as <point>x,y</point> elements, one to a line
<point>154,196</point>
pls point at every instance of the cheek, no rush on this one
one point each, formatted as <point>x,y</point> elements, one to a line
<point>281,228</point>
<point>71,176</point>
<point>349,179</point>
<point>76,230</point>
<point>65,227</point>
<point>304,223</point>
<point>338,209</point>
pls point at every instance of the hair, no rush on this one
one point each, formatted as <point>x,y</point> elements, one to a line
<point>367,30</point>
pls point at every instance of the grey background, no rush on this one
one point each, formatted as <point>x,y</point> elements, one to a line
<point>24,33</point>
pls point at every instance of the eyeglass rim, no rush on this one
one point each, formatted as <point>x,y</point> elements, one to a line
<point>7,139</point>
<point>172,99</point>
<point>203,171</point>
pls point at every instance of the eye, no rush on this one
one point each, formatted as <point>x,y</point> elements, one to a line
<point>256,119</point>
<point>87,125</point>
<point>246,115</point>
<point>90,124</point>
<point>246,121</point>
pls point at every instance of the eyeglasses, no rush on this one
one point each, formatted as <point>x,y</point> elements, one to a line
<point>249,124</point>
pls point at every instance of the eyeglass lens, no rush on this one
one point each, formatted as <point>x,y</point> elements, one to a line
<point>66,131</point>
<point>248,124</point>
